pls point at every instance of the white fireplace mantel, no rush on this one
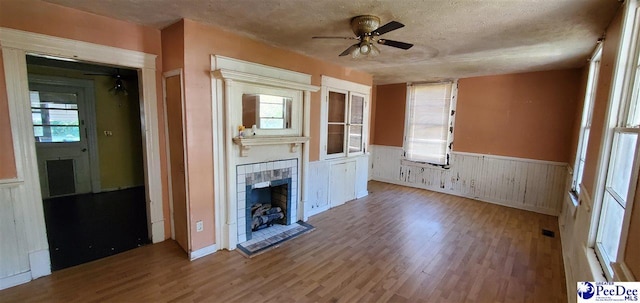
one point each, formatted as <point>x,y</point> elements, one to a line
<point>230,78</point>
<point>247,142</point>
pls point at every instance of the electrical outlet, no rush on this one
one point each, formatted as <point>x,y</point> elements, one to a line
<point>473,184</point>
<point>199,226</point>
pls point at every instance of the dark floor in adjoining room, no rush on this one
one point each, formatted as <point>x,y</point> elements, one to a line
<point>87,227</point>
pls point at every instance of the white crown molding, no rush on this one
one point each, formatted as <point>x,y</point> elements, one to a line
<point>73,49</point>
<point>228,74</point>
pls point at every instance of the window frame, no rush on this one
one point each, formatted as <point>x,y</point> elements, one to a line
<point>450,123</point>
<point>624,92</point>
<point>585,121</point>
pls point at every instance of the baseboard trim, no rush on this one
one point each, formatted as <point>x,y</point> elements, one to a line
<point>362,194</point>
<point>203,252</point>
<point>15,280</point>
<point>40,263</point>
<point>551,212</point>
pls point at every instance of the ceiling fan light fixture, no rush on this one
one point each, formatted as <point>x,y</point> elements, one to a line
<point>356,53</point>
<point>374,51</point>
<point>119,88</point>
<point>365,48</point>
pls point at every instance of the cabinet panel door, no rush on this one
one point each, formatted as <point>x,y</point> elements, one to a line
<point>342,183</point>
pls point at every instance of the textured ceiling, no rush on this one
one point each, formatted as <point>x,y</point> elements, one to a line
<point>453,39</point>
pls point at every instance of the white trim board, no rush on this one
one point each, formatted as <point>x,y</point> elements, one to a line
<point>203,252</point>
<point>15,45</point>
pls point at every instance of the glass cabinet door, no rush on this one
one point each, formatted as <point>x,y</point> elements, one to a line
<point>356,123</point>
<point>336,123</point>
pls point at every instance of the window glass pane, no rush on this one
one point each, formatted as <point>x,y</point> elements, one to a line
<point>38,131</point>
<point>337,103</point>
<point>624,145</point>
<point>610,226</point>
<point>57,134</point>
<point>267,123</point>
<point>335,139</point>
<point>355,138</point>
<point>55,117</point>
<point>633,119</point>
<point>357,109</point>
<point>271,110</point>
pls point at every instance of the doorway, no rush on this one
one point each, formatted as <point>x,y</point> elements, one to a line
<point>90,162</point>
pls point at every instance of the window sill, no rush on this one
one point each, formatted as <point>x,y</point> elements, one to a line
<point>424,164</point>
<point>575,202</point>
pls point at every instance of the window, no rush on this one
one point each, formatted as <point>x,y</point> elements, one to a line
<point>585,124</point>
<point>345,113</point>
<point>55,117</point>
<point>429,122</point>
<point>617,187</point>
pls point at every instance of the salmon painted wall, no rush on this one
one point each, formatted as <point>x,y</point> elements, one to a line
<point>7,158</point>
<point>201,41</point>
<point>54,20</point>
<point>390,114</point>
<point>527,115</point>
<point>507,115</point>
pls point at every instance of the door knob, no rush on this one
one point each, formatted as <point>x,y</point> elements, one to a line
<point>84,149</point>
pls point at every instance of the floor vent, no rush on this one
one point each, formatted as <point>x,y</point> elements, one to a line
<point>548,233</point>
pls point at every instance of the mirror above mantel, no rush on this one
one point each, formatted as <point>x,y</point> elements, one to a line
<point>266,112</point>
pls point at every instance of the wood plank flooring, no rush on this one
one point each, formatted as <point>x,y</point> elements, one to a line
<point>398,244</point>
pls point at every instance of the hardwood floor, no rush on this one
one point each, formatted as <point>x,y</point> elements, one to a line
<point>398,244</point>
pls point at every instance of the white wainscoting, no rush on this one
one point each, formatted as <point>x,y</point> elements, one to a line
<point>317,199</point>
<point>16,258</point>
<point>515,182</point>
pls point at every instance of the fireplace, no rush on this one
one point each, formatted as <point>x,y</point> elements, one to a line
<point>274,183</point>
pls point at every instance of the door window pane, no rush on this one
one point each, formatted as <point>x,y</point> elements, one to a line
<point>55,117</point>
<point>357,109</point>
<point>355,138</point>
<point>337,103</point>
<point>335,139</point>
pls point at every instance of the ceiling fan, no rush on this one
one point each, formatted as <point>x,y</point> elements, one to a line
<point>118,87</point>
<point>368,30</point>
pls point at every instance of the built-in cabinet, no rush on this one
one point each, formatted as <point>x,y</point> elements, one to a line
<point>341,174</point>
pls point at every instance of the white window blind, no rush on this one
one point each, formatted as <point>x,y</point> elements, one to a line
<point>429,122</point>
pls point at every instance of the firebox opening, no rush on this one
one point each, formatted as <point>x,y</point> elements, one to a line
<point>268,205</point>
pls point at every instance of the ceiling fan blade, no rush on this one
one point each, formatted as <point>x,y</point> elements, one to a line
<point>349,50</point>
<point>394,43</point>
<point>334,37</point>
<point>391,26</point>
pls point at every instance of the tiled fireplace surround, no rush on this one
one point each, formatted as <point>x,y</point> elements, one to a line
<point>258,174</point>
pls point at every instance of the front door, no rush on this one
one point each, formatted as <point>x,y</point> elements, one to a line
<point>61,135</point>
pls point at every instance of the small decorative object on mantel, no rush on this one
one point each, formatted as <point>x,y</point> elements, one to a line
<point>243,132</point>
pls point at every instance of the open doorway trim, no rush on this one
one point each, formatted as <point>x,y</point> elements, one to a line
<point>16,45</point>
